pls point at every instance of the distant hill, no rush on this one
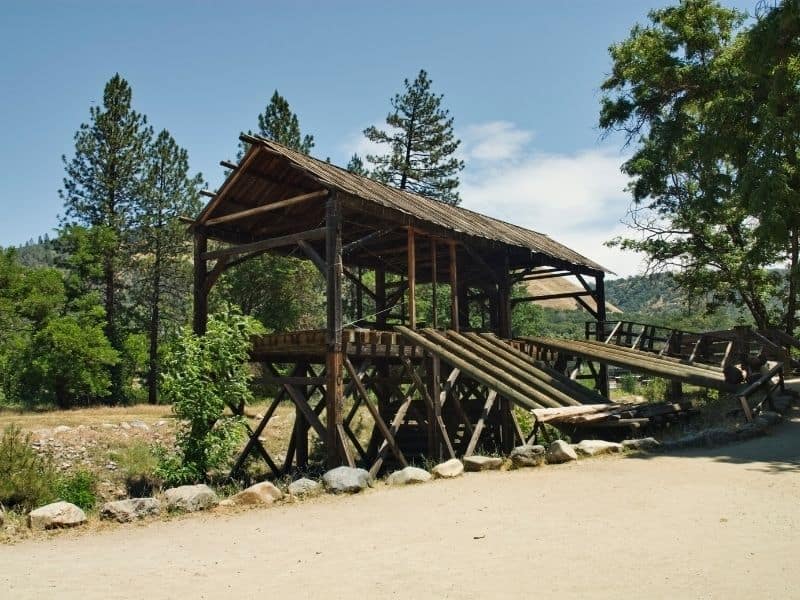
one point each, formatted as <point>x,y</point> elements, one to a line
<point>646,293</point>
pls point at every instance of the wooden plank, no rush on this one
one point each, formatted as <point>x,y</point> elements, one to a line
<point>412,279</point>
<point>278,242</point>
<point>476,434</point>
<point>434,283</point>
<point>242,167</point>
<point>423,390</point>
<point>397,421</point>
<point>258,210</point>
<point>453,287</point>
<point>334,399</point>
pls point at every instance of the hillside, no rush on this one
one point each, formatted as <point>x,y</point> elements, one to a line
<point>645,293</point>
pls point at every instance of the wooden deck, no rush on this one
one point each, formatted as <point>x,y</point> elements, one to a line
<point>310,345</point>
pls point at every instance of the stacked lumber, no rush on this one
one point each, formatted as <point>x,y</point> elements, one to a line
<point>631,416</point>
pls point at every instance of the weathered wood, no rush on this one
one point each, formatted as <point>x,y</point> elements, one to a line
<point>200,319</point>
<point>397,421</point>
<point>434,284</point>
<point>423,390</point>
<point>476,434</point>
<point>252,152</point>
<point>454,315</point>
<point>412,279</point>
<point>334,399</point>
<point>278,242</point>
<point>264,208</point>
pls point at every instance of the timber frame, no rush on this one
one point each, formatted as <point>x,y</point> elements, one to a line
<point>280,201</point>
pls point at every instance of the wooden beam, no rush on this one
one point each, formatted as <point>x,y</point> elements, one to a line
<point>249,157</point>
<point>200,274</point>
<point>434,282</point>
<point>208,193</point>
<point>243,214</point>
<point>412,279</point>
<point>348,248</point>
<point>453,287</point>
<point>551,297</point>
<point>334,396</point>
<point>278,242</point>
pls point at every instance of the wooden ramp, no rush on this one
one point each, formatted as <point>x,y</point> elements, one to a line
<point>503,369</point>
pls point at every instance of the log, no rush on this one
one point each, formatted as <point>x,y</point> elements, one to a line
<point>278,242</point>
<point>243,214</point>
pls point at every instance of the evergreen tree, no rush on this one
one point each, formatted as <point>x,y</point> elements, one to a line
<point>283,293</point>
<point>102,186</point>
<point>356,165</point>
<point>162,243</point>
<point>421,144</point>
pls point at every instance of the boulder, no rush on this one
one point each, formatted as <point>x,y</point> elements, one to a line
<point>482,463</point>
<point>560,451</point>
<point>448,469</point>
<point>596,447</point>
<point>647,444</point>
<point>305,487</point>
<point>55,515</point>
<point>62,429</point>
<point>131,509</point>
<point>191,498</point>
<point>346,480</point>
<point>408,475</point>
<point>527,456</point>
<point>718,436</point>
<point>768,418</point>
<point>260,493</point>
<point>140,425</point>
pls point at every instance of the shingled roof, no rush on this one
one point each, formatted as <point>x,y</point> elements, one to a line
<point>305,173</point>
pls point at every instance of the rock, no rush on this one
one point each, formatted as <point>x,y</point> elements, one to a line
<point>131,509</point>
<point>448,469</point>
<point>305,487</point>
<point>61,429</point>
<point>260,493</point>
<point>750,430</point>
<point>125,425</point>
<point>560,451</point>
<point>718,436</point>
<point>482,463</point>
<point>140,425</point>
<point>527,456</point>
<point>191,497</point>
<point>408,475</point>
<point>160,423</point>
<point>596,447</point>
<point>346,479</point>
<point>647,444</point>
<point>2,517</point>
<point>58,514</point>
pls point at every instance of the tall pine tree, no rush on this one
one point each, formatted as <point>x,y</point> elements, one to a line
<point>103,183</point>
<point>162,243</point>
<point>421,144</point>
<point>283,293</point>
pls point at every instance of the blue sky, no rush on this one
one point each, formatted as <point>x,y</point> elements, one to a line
<point>521,79</point>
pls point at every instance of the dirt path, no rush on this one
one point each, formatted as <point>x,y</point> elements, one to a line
<point>721,523</point>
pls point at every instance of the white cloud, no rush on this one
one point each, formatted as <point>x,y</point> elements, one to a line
<point>493,141</point>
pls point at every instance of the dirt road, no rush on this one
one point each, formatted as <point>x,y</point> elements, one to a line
<point>721,523</point>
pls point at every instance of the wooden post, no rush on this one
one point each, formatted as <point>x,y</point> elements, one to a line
<point>200,292</point>
<point>434,277</point>
<point>454,318</point>
<point>434,376</point>
<point>380,298</point>
<point>600,300</point>
<point>333,331</point>
<point>412,280</point>
<point>359,295</point>
<point>504,301</point>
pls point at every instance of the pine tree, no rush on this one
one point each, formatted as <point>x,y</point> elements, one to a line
<point>162,243</point>
<point>102,186</point>
<point>280,124</point>
<point>356,165</point>
<point>422,144</point>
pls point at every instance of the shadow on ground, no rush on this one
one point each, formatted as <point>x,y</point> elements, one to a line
<point>776,452</point>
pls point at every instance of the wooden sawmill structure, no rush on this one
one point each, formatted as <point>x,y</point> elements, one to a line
<point>435,389</point>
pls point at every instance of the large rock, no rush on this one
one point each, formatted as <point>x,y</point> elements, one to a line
<point>305,487</point>
<point>191,498</point>
<point>260,493</point>
<point>346,480</point>
<point>408,475</point>
<point>131,509</point>
<point>647,444</point>
<point>560,451</point>
<point>53,516</point>
<point>482,463</point>
<point>768,418</point>
<point>596,447</point>
<point>527,456</point>
<point>448,469</point>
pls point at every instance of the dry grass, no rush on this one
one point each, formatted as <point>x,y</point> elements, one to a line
<point>31,420</point>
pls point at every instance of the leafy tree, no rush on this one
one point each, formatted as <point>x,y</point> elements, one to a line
<point>421,144</point>
<point>103,183</point>
<point>711,108</point>
<point>202,375</point>
<point>162,269</point>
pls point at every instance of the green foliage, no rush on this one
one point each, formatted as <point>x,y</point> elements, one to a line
<point>421,144</point>
<point>26,478</point>
<point>79,488</point>
<point>279,123</point>
<point>656,389</point>
<point>203,375</point>
<point>711,108</point>
<point>356,165</point>
<point>628,383</point>
<point>138,463</point>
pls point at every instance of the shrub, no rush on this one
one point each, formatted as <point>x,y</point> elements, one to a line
<point>26,478</point>
<point>628,383</point>
<point>138,463</point>
<point>656,390</point>
<point>203,374</point>
<point>80,489</point>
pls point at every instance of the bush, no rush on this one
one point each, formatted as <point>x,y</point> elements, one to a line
<point>628,383</point>
<point>80,489</point>
<point>138,463</point>
<point>656,390</point>
<point>26,478</point>
<point>203,374</point>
